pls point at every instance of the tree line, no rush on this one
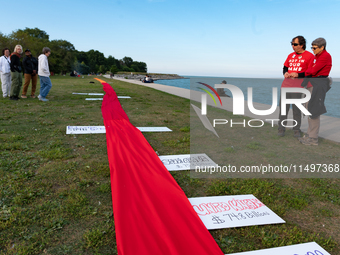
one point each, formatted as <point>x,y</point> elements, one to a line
<point>65,58</point>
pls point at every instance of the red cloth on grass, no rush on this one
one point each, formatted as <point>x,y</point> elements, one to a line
<point>152,214</point>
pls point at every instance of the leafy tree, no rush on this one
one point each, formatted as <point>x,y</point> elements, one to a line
<point>139,66</point>
<point>36,33</point>
<point>65,57</point>
<point>128,61</point>
<point>102,69</point>
<point>62,56</point>
<point>95,58</point>
<point>84,69</point>
<point>114,69</point>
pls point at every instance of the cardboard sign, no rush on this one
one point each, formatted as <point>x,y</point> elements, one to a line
<point>101,129</point>
<point>186,161</point>
<point>298,249</point>
<point>233,211</point>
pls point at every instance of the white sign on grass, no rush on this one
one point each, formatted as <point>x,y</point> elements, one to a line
<point>120,97</point>
<point>298,249</point>
<point>85,130</point>
<point>96,94</point>
<point>154,129</point>
<point>233,211</point>
<point>101,129</point>
<point>186,161</point>
<point>74,93</point>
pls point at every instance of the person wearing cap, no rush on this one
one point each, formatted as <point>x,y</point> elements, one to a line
<point>30,64</point>
<point>44,74</point>
<point>317,75</point>
<point>16,74</point>
<point>5,70</point>
<point>220,91</point>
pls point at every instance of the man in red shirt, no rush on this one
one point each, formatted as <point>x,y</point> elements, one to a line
<point>294,70</point>
<point>317,74</point>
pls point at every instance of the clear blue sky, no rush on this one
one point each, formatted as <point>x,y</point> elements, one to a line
<point>249,38</point>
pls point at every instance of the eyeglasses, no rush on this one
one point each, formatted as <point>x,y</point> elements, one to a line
<point>294,44</point>
<point>314,48</point>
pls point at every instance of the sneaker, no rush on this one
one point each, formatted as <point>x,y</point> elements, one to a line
<point>43,99</point>
<point>281,132</point>
<point>305,137</point>
<point>310,141</point>
<point>297,133</point>
<point>4,96</point>
<point>39,97</point>
<point>23,96</point>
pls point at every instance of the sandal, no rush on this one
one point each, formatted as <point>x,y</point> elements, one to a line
<point>33,96</point>
<point>23,96</point>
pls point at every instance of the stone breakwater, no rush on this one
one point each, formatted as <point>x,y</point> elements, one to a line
<point>155,77</point>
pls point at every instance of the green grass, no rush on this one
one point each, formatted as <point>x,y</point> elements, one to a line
<point>55,191</point>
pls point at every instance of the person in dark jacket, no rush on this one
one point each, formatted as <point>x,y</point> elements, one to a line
<point>317,75</point>
<point>16,73</point>
<point>30,64</point>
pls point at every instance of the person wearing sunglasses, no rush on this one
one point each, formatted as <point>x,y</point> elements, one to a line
<point>317,76</point>
<point>294,69</point>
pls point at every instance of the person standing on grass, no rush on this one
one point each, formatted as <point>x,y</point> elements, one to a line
<point>294,68</point>
<point>5,70</point>
<point>44,74</point>
<point>30,73</point>
<point>16,73</point>
<point>317,75</point>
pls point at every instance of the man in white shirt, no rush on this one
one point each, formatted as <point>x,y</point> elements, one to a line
<point>5,71</point>
<point>44,74</point>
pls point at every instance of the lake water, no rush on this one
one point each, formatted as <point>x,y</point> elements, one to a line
<point>262,89</point>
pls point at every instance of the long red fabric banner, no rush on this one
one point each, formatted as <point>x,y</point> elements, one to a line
<point>152,214</point>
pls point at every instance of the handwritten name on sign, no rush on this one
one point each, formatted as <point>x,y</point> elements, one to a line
<point>233,211</point>
<point>101,129</point>
<point>298,249</point>
<point>186,161</point>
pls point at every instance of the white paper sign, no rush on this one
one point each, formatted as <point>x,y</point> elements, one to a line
<point>74,93</point>
<point>186,161</point>
<point>96,94</point>
<point>233,211</point>
<point>154,129</point>
<point>99,98</point>
<point>101,129</point>
<point>298,249</point>
<point>85,130</point>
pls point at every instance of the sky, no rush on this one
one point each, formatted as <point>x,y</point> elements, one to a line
<point>226,38</point>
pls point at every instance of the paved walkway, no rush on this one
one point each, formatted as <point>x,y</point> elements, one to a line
<point>329,129</point>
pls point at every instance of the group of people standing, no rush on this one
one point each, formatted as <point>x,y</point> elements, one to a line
<point>302,69</point>
<point>11,68</point>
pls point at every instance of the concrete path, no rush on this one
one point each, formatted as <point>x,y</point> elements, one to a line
<point>329,129</point>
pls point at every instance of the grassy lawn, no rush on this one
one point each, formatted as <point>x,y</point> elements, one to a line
<point>55,193</point>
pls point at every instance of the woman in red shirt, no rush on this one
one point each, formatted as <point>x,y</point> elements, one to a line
<point>317,73</point>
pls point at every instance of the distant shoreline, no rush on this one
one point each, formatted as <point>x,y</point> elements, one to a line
<point>155,77</point>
